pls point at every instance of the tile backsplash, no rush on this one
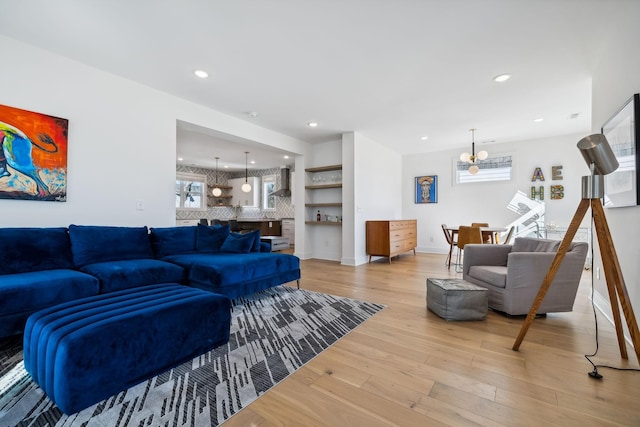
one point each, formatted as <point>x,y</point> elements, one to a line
<point>284,209</point>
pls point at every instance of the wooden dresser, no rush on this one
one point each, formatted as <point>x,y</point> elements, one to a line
<point>391,238</point>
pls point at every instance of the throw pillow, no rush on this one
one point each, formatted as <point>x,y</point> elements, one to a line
<point>211,238</point>
<point>256,240</point>
<point>173,240</point>
<point>93,243</point>
<point>238,243</point>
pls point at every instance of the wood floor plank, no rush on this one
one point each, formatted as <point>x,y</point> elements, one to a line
<point>406,366</point>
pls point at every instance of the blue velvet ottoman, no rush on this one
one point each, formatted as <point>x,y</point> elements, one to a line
<point>87,350</point>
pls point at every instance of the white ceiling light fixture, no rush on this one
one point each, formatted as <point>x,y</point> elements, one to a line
<point>201,73</point>
<point>502,78</point>
<point>538,120</point>
<point>217,192</point>
<point>424,138</point>
<point>246,187</point>
<point>312,124</point>
<point>471,158</point>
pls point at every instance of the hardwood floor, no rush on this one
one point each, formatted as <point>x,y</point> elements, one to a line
<point>408,367</point>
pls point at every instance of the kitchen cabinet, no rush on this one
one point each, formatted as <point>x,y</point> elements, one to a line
<point>288,228</point>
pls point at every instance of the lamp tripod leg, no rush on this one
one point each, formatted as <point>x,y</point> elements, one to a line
<point>615,283</point>
<point>553,269</point>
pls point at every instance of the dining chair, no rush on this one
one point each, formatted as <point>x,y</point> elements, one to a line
<point>233,225</point>
<point>467,235</point>
<point>451,240</point>
<point>487,236</point>
<point>204,221</point>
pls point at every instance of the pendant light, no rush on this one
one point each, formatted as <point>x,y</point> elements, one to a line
<point>471,158</point>
<point>246,187</point>
<point>217,191</point>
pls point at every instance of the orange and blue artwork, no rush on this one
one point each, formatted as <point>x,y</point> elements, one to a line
<point>33,155</point>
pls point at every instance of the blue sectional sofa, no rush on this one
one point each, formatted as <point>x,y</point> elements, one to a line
<point>42,267</point>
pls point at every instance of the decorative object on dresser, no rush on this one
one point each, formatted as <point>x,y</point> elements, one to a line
<point>391,238</point>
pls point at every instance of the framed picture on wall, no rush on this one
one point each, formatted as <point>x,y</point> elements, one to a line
<point>621,188</point>
<point>33,155</point>
<point>426,189</point>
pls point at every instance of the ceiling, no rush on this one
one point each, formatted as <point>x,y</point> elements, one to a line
<point>394,71</point>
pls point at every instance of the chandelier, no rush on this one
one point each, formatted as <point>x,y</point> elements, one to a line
<point>471,158</point>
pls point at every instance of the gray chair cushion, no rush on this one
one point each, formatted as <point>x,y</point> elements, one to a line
<point>492,274</point>
<point>535,245</point>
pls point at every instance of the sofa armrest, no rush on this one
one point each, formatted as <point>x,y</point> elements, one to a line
<point>484,254</point>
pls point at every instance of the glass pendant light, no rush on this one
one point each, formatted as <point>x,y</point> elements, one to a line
<point>217,192</point>
<point>246,187</point>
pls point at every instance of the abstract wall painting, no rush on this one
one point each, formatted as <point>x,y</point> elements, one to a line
<point>426,189</point>
<point>33,155</point>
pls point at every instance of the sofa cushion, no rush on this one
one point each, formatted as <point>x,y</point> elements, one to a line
<point>25,293</point>
<point>211,238</point>
<point>117,275</point>
<point>495,275</point>
<point>173,240</point>
<point>228,269</point>
<point>34,249</point>
<point>92,244</point>
<point>526,244</point>
<point>238,243</point>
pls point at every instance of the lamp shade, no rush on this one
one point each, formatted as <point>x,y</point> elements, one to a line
<point>217,192</point>
<point>596,150</point>
<point>465,157</point>
<point>482,155</point>
<point>474,169</point>
<point>246,187</point>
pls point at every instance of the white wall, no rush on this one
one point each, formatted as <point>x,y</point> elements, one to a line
<point>376,192</point>
<point>122,140</point>
<point>487,201</point>
<point>616,77</point>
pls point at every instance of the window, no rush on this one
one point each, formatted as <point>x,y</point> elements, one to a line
<point>191,191</point>
<point>493,169</point>
<point>268,188</point>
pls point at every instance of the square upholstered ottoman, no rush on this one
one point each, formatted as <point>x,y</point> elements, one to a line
<point>457,299</point>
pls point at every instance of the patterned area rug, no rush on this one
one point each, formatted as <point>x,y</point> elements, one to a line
<point>273,333</point>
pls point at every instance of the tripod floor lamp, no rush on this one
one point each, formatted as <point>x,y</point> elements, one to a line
<point>598,154</point>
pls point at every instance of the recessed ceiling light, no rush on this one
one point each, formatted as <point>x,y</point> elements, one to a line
<point>286,157</point>
<point>424,138</point>
<point>226,166</point>
<point>253,114</point>
<point>312,124</point>
<point>502,78</point>
<point>180,159</point>
<point>201,73</point>
<point>538,120</point>
<point>253,162</point>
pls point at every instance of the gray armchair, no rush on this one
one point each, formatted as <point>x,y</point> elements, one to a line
<point>513,274</point>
